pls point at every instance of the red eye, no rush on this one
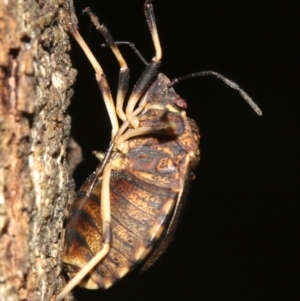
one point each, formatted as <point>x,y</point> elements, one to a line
<point>180,102</point>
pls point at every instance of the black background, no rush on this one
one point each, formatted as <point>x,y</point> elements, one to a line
<point>238,239</point>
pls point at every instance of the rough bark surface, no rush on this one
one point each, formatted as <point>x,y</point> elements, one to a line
<point>35,80</point>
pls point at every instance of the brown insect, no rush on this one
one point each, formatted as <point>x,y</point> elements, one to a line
<point>127,210</point>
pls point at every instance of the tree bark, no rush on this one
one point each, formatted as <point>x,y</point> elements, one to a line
<point>35,80</point>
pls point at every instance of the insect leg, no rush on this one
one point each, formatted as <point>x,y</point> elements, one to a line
<point>146,78</point>
<point>133,47</point>
<point>101,167</point>
<point>167,128</point>
<point>100,76</point>
<point>106,234</point>
<point>124,71</point>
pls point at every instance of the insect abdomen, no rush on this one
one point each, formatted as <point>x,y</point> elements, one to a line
<point>140,208</point>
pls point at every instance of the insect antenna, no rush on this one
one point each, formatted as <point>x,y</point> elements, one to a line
<point>226,80</point>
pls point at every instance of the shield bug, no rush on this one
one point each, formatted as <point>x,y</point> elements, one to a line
<point>126,212</point>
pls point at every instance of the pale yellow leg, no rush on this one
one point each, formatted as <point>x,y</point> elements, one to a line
<point>124,71</point>
<point>106,233</point>
<point>100,76</point>
<point>83,272</point>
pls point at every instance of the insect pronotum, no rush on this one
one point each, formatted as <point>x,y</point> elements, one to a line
<point>127,210</point>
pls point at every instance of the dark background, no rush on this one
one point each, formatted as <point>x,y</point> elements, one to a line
<point>238,239</point>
